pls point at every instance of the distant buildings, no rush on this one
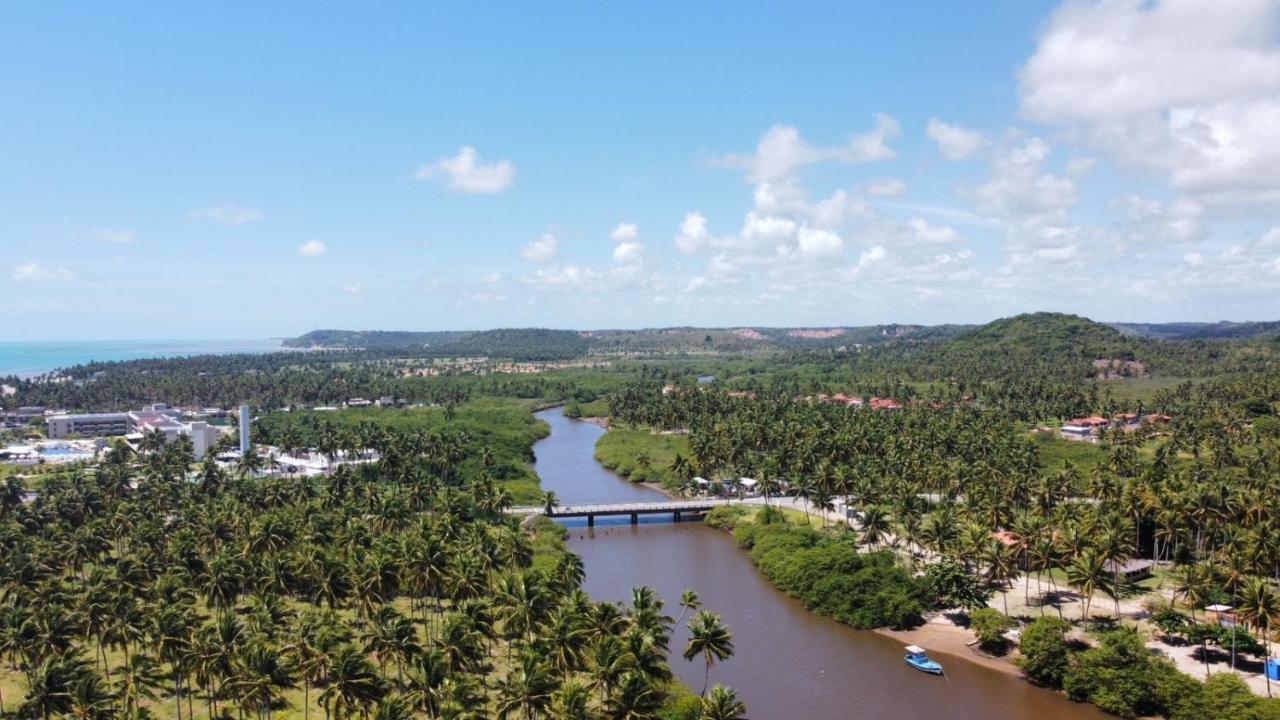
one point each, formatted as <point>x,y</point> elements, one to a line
<point>22,416</point>
<point>135,425</point>
<point>1089,428</point>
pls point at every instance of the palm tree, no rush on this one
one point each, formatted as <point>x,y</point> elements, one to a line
<point>571,702</point>
<point>51,685</point>
<point>136,681</point>
<point>549,503</point>
<point>1002,566</point>
<point>709,637</point>
<point>353,684</point>
<point>688,601</point>
<point>634,698</point>
<point>261,672</point>
<point>1260,607</point>
<point>722,704</point>
<point>1083,573</point>
<point>527,688</point>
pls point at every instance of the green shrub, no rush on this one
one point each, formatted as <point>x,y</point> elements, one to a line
<point>830,576</point>
<point>1045,656</point>
<point>725,517</point>
<point>1120,676</point>
<point>949,585</point>
<point>990,626</point>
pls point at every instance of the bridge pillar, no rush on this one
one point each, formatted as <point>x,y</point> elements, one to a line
<point>635,518</point>
<point>677,516</point>
<point>591,521</point>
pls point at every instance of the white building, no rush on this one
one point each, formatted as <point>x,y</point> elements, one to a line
<point>134,425</point>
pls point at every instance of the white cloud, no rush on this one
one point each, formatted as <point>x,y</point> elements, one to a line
<point>352,289</point>
<point>1185,87</point>
<point>871,256</point>
<point>466,172</point>
<point>116,237</point>
<point>954,142</point>
<point>541,250</point>
<point>835,210</point>
<point>625,232</point>
<point>819,243</point>
<point>35,272</point>
<point>1153,222</point>
<point>781,151</point>
<point>628,252</point>
<point>312,248</point>
<point>491,278</point>
<point>1194,259</point>
<point>693,236</point>
<point>228,214</point>
<point>924,232</point>
<point>885,187</point>
<point>1032,204</point>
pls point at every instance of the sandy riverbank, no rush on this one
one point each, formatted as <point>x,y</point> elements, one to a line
<point>598,421</point>
<point>943,638</point>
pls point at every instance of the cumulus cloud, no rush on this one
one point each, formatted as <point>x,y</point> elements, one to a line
<point>312,248</point>
<point>924,232</point>
<point>954,142</point>
<point>228,214</point>
<point>782,151</point>
<point>819,243</point>
<point>693,236</point>
<point>628,252</point>
<point>351,289</point>
<point>625,232</point>
<point>1021,195</point>
<point>541,250</point>
<point>116,237</point>
<point>1188,88</point>
<point>466,172</point>
<point>35,272</point>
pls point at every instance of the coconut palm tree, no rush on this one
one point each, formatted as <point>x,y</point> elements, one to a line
<point>353,684</point>
<point>1260,607</point>
<point>550,501</point>
<point>688,601</point>
<point>710,638</point>
<point>722,704</point>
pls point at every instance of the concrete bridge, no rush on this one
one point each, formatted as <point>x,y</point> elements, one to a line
<point>678,509</point>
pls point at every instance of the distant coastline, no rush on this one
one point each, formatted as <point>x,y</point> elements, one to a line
<point>31,358</point>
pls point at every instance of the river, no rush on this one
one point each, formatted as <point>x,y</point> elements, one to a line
<point>789,664</point>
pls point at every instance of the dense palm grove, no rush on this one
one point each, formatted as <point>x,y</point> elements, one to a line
<point>140,589</point>
<point>963,484</point>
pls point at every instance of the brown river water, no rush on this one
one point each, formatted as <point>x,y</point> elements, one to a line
<point>789,664</point>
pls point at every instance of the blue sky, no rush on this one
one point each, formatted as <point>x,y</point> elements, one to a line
<point>245,170</point>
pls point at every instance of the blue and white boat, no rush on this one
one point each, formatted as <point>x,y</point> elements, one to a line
<point>919,659</point>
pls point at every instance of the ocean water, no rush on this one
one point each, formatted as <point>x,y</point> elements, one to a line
<point>26,359</point>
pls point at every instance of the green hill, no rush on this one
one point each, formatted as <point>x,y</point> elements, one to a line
<point>371,339</point>
<point>1046,334</point>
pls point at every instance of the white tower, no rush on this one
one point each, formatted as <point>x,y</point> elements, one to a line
<point>244,429</point>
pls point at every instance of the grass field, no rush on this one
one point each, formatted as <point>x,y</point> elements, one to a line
<point>1054,451</point>
<point>1133,390</point>
<point>641,456</point>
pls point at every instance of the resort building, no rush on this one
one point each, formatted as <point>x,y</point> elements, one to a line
<point>88,425</point>
<point>134,425</point>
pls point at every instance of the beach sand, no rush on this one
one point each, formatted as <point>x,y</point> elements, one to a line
<point>942,637</point>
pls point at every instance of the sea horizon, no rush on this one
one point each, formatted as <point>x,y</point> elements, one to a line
<point>29,358</point>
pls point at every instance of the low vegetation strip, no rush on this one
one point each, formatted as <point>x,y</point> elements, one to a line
<point>826,571</point>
